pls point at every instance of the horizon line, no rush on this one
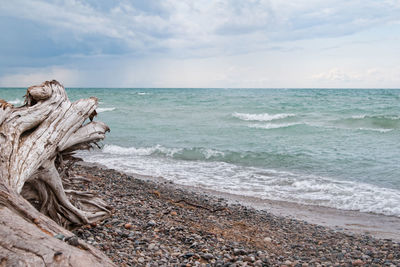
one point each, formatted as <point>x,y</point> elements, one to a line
<point>268,88</point>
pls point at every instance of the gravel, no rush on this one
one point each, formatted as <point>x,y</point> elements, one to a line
<point>157,223</point>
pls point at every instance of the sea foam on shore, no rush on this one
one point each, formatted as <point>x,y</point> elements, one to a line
<point>211,169</point>
<point>160,223</point>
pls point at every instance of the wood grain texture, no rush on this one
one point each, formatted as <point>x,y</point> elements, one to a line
<point>36,143</point>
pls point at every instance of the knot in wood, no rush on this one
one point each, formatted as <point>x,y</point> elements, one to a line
<point>40,92</point>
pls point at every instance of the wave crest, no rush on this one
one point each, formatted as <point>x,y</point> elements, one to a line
<point>273,126</point>
<point>262,116</point>
<point>388,117</point>
<point>178,153</point>
<point>251,181</point>
<point>380,123</point>
<point>100,110</point>
<point>16,101</point>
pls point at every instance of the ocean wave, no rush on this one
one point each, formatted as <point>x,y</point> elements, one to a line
<point>389,117</point>
<point>178,153</point>
<point>376,130</point>
<point>253,181</point>
<point>262,116</point>
<point>345,195</point>
<point>100,110</point>
<point>358,116</point>
<point>379,123</point>
<point>16,101</point>
<point>380,130</point>
<point>273,126</point>
<point>243,158</point>
<point>141,151</point>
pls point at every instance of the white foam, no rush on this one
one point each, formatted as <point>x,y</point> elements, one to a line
<point>147,151</point>
<point>381,130</point>
<point>358,116</point>
<point>141,151</point>
<point>273,126</point>
<point>16,101</point>
<point>378,116</point>
<point>251,181</point>
<point>209,153</point>
<point>262,117</point>
<point>100,110</point>
<point>376,130</point>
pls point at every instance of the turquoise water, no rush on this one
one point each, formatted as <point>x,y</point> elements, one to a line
<point>335,148</point>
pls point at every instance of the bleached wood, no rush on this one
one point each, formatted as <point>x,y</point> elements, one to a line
<point>34,139</point>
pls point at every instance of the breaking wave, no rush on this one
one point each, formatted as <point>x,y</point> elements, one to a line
<point>158,150</point>
<point>248,181</point>
<point>262,116</point>
<point>378,123</point>
<point>245,158</point>
<point>16,101</point>
<point>273,126</point>
<point>100,110</point>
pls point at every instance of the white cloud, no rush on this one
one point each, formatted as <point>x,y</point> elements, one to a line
<point>28,77</point>
<point>373,77</point>
<point>336,75</point>
<point>223,43</point>
<point>227,25</point>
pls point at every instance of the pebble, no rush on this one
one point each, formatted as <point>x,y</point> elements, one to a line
<point>128,226</point>
<point>358,262</point>
<point>165,229</point>
<point>207,256</point>
<point>151,223</point>
<point>60,236</point>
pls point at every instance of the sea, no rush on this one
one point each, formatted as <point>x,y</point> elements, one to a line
<point>337,148</point>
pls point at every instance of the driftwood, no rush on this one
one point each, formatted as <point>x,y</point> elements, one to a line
<point>37,141</point>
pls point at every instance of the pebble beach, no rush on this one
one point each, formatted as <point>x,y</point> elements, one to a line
<point>157,223</point>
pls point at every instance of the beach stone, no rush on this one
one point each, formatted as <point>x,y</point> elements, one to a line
<point>358,262</point>
<point>151,223</point>
<point>258,263</point>
<point>128,226</point>
<point>237,252</point>
<point>73,241</point>
<point>267,239</point>
<point>249,258</point>
<point>207,256</point>
<point>188,255</point>
<point>165,240</point>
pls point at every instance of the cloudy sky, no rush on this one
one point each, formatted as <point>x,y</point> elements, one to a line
<point>202,43</point>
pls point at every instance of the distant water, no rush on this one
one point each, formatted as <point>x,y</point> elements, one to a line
<point>334,148</point>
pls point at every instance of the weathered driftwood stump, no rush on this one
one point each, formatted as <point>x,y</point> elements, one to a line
<point>36,143</point>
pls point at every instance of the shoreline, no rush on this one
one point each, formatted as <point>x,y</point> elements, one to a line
<point>158,223</point>
<point>347,221</point>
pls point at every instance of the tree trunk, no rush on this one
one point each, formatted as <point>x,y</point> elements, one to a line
<point>36,145</point>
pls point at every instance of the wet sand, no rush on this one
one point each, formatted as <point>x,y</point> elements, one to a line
<point>379,226</point>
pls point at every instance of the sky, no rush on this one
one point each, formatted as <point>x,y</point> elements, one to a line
<point>202,43</point>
